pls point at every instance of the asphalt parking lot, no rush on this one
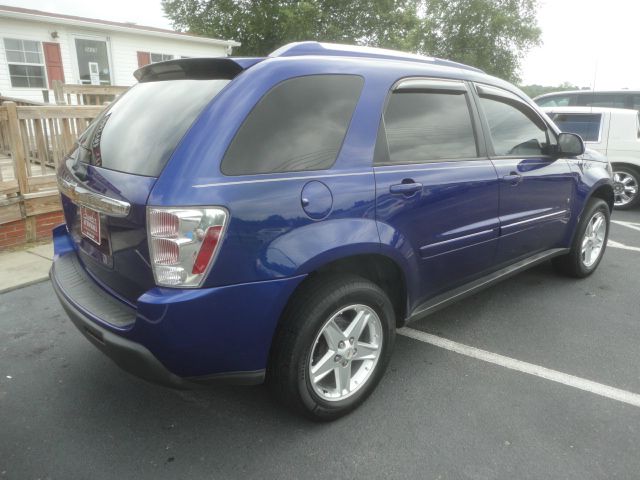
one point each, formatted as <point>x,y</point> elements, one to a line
<point>66,412</point>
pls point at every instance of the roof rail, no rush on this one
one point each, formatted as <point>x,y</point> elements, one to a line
<point>339,50</point>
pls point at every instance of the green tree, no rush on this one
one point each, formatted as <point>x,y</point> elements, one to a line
<point>262,26</point>
<point>489,34</point>
<point>492,35</point>
<point>535,89</point>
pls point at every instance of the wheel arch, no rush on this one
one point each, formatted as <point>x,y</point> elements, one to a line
<point>605,192</point>
<point>382,269</point>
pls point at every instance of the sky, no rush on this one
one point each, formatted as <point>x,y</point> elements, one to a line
<point>585,40</point>
<point>588,43</point>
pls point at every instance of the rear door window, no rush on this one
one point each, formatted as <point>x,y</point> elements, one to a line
<point>298,125</point>
<point>138,133</point>
<point>585,125</point>
<point>425,126</point>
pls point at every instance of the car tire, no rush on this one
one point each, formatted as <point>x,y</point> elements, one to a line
<point>314,345</point>
<point>626,187</point>
<point>589,242</point>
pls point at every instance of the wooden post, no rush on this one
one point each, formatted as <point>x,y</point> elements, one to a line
<point>30,229</point>
<point>17,147</point>
<point>67,139</point>
<point>57,92</point>
<point>41,143</point>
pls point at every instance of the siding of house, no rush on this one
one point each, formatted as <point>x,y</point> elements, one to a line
<point>123,48</point>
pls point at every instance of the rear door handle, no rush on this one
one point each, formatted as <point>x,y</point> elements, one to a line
<point>513,178</point>
<point>405,188</point>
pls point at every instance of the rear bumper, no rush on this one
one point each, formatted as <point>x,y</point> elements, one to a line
<point>176,337</point>
<point>130,356</point>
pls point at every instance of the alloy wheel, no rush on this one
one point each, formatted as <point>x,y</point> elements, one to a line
<point>345,352</point>
<point>593,240</point>
<point>625,188</point>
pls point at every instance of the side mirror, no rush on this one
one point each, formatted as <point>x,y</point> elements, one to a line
<point>570,145</point>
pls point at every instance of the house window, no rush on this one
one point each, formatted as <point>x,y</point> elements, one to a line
<point>26,63</point>
<point>160,57</point>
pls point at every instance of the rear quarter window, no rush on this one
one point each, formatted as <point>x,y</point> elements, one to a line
<point>298,125</point>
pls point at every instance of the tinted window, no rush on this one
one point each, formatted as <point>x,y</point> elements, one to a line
<point>423,126</point>
<point>298,125</point>
<point>554,101</point>
<point>601,100</point>
<point>585,125</point>
<point>139,132</point>
<point>515,129</point>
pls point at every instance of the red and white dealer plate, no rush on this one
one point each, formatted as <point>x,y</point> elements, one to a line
<point>90,224</point>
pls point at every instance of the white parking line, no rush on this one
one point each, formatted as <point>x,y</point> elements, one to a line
<point>524,367</point>
<point>614,244</point>
<point>632,225</point>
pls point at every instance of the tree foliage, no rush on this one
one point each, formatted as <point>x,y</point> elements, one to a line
<point>535,89</point>
<point>489,34</point>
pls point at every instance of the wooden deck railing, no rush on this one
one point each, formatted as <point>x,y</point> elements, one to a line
<point>34,141</point>
<point>19,101</point>
<point>70,94</point>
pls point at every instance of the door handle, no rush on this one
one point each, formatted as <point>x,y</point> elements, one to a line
<point>513,178</point>
<point>407,188</point>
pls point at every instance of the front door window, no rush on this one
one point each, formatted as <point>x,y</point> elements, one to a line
<point>93,62</point>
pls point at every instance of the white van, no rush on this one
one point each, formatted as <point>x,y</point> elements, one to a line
<point>614,132</point>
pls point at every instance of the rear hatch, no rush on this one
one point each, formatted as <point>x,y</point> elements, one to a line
<point>106,180</point>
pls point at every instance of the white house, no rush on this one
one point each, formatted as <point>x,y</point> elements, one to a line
<point>38,47</point>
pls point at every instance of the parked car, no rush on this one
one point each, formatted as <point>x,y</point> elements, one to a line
<point>589,98</point>
<point>614,133</point>
<point>251,219</point>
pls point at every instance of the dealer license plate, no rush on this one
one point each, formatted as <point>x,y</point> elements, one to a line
<point>90,224</point>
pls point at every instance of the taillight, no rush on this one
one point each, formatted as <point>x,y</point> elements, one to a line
<point>183,243</point>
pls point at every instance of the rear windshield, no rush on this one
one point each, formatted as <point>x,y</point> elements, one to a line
<point>138,133</point>
<point>587,125</point>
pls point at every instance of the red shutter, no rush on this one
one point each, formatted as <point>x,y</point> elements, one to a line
<point>144,58</point>
<point>53,61</point>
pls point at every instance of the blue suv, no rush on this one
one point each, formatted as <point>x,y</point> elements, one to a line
<point>276,219</point>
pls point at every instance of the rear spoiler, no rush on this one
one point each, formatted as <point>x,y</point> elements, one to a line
<point>194,69</point>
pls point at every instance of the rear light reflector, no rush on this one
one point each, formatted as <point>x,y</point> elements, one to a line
<point>183,243</point>
<point>208,248</point>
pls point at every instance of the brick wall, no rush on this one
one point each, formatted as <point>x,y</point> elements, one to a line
<point>46,222</point>
<point>12,234</point>
<point>39,228</point>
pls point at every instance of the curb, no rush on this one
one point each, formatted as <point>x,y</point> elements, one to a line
<point>25,284</point>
